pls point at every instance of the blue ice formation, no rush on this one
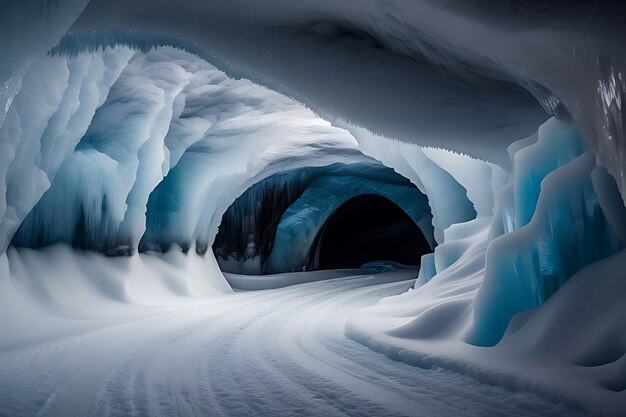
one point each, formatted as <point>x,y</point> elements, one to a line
<point>558,213</point>
<point>551,223</point>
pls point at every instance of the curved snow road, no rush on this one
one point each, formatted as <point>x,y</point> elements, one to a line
<point>268,353</point>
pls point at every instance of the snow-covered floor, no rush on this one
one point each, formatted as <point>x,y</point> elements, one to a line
<point>278,352</point>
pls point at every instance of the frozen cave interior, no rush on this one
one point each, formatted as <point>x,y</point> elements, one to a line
<point>137,176</point>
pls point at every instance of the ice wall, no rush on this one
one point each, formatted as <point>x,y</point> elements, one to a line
<point>43,124</point>
<point>102,188</point>
<point>555,227</point>
<point>531,298</point>
<point>29,30</point>
<point>127,147</point>
<point>144,150</point>
<point>558,214</point>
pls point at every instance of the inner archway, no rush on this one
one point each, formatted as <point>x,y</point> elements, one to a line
<point>367,228</point>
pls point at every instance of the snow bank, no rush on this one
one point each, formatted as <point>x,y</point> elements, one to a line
<point>58,290</point>
<point>570,350</point>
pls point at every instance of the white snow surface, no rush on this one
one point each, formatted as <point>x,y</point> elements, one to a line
<point>272,281</point>
<point>571,349</point>
<point>275,353</point>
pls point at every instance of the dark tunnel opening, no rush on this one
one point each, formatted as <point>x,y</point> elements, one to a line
<point>367,228</point>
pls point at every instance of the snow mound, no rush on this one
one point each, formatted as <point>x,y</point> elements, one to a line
<point>58,290</point>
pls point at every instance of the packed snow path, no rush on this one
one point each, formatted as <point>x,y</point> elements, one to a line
<point>271,353</point>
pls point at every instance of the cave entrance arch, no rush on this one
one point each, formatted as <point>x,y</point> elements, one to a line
<point>367,228</point>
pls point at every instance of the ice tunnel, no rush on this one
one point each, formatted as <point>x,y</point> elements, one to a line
<point>365,229</point>
<point>443,182</point>
<point>276,225</point>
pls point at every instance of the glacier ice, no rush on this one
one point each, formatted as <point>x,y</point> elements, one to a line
<point>559,228</point>
<point>548,223</point>
<point>105,183</point>
<point>119,150</point>
<point>29,31</point>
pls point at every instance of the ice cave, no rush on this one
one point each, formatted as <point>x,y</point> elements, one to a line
<point>312,208</point>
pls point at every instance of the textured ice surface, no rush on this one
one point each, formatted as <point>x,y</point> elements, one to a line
<point>559,228</point>
<point>399,68</point>
<point>44,123</point>
<point>28,32</point>
<point>172,140</point>
<point>131,150</point>
<point>405,69</point>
